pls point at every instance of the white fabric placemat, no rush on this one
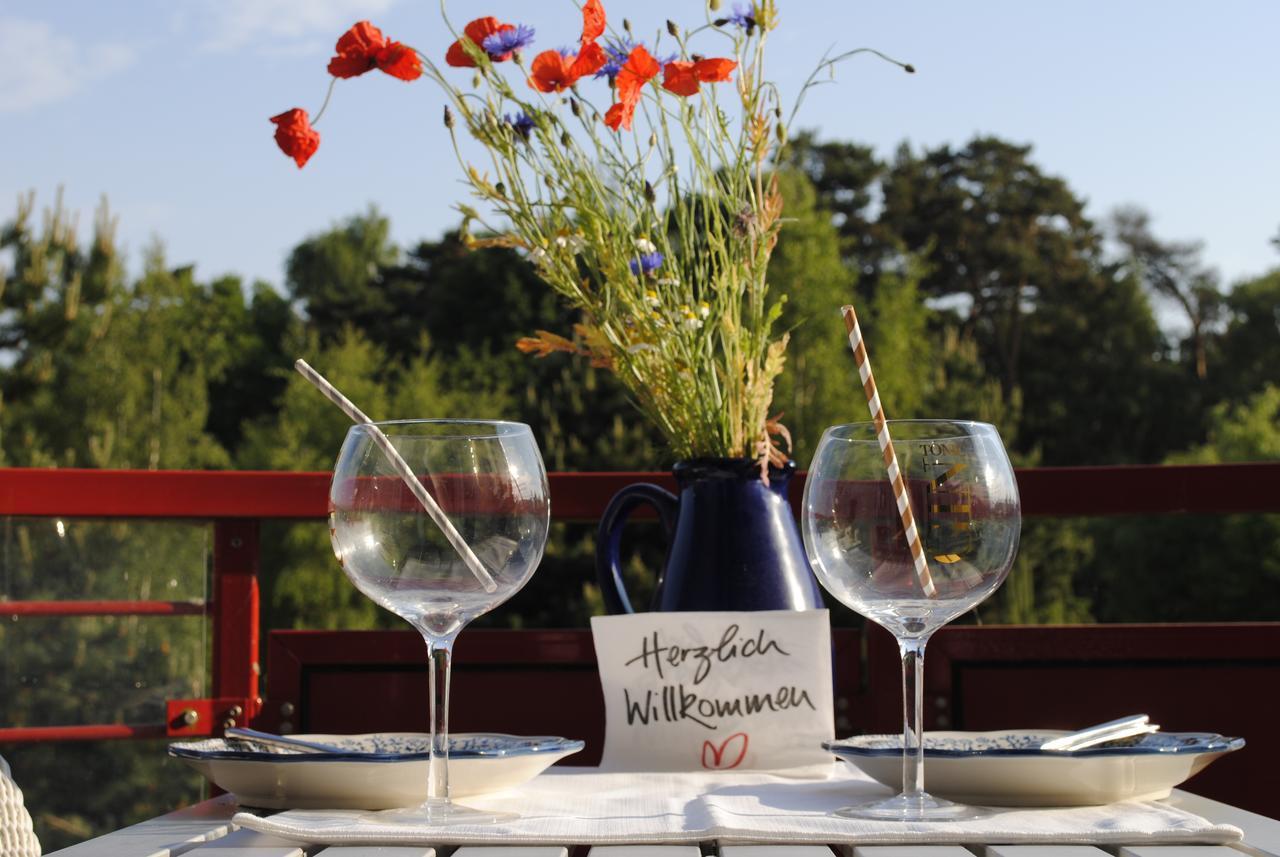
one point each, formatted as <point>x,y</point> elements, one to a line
<point>565,806</point>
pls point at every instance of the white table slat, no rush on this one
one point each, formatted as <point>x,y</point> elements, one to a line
<point>644,851</point>
<point>377,851</point>
<point>1178,851</point>
<point>776,851</point>
<point>911,851</point>
<point>188,833</point>
<point>167,836</point>
<point>1261,834</point>
<point>1044,851</point>
<point>250,843</point>
<point>511,851</point>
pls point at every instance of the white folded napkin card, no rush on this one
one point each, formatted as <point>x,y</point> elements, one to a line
<point>715,690</point>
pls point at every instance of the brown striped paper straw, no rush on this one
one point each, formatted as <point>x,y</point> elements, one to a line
<point>900,493</point>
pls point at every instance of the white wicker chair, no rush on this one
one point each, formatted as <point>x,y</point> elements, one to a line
<point>17,838</point>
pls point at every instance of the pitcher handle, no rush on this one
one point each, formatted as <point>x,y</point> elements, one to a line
<point>609,537</point>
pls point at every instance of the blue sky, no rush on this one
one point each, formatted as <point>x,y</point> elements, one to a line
<point>163,108</point>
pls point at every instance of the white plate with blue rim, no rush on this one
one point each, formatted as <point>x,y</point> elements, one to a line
<point>376,771</point>
<point>1008,768</point>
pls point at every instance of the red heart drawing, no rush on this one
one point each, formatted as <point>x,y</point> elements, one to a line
<point>717,760</point>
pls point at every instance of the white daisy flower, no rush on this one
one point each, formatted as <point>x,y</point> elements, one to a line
<point>572,243</point>
<point>689,317</point>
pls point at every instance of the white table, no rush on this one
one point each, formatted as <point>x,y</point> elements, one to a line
<point>205,830</point>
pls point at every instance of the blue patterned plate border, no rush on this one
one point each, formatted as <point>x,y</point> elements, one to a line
<point>379,747</point>
<point>1027,743</point>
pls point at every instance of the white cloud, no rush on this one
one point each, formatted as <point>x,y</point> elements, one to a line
<point>41,66</point>
<point>280,25</point>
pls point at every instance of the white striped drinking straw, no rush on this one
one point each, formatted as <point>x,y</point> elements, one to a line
<point>404,471</point>
<point>900,493</point>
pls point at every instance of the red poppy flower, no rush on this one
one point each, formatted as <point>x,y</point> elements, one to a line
<point>686,78</point>
<point>295,136</point>
<point>592,21</point>
<point>554,72</point>
<point>477,31</point>
<point>639,69</point>
<point>364,48</point>
<point>399,60</point>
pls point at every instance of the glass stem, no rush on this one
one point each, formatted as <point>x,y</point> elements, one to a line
<point>912,651</point>
<point>439,657</point>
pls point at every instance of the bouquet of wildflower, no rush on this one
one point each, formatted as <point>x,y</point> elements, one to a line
<point>639,179</point>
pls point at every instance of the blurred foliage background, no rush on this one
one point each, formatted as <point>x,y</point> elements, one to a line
<point>984,290</point>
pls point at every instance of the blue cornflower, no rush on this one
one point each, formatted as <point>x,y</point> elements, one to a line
<point>744,15</point>
<point>505,42</point>
<point>521,123</point>
<point>647,263</point>
<point>616,54</point>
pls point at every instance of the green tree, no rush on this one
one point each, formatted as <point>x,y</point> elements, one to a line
<point>1203,568</point>
<point>256,336</point>
<point>1096,360</point>
<point>481,302</point>
<point>996,232</point>
<point>1174,271</point>
<point>104,374</point>
<point>336,276</point>
<point>846,178</point>
<point>1248,348</point>
<point>473,306</point>
<point>817,388</point>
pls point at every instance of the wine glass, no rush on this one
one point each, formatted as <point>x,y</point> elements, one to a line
<point>964,497</point>
<point>488,479</point>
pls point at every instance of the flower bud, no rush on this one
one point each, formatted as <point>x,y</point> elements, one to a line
<point>714,5</point>
<point>653,140</point>
<point>626,25</point>
<point>673,29</point>
<point>909,68</point>
<point>649,194</point>
<point>720,22</point>
<point>565,140</point>
<point>501,189</point>
<point>448,117</point>
<point>575,107</point>
<point>781,131</point>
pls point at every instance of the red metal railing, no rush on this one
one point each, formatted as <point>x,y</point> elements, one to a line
<point>236,501</point>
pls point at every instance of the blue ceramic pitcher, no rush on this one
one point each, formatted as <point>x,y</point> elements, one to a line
<point>733,543</point>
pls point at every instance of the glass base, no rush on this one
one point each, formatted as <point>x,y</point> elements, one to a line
<point>917,807</point>
<point>438,814</point>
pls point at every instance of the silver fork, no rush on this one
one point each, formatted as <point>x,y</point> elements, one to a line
<point>1113,730</point>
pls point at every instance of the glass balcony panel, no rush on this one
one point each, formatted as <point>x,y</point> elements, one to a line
<point>71,670</point>
<point>62,559</point>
